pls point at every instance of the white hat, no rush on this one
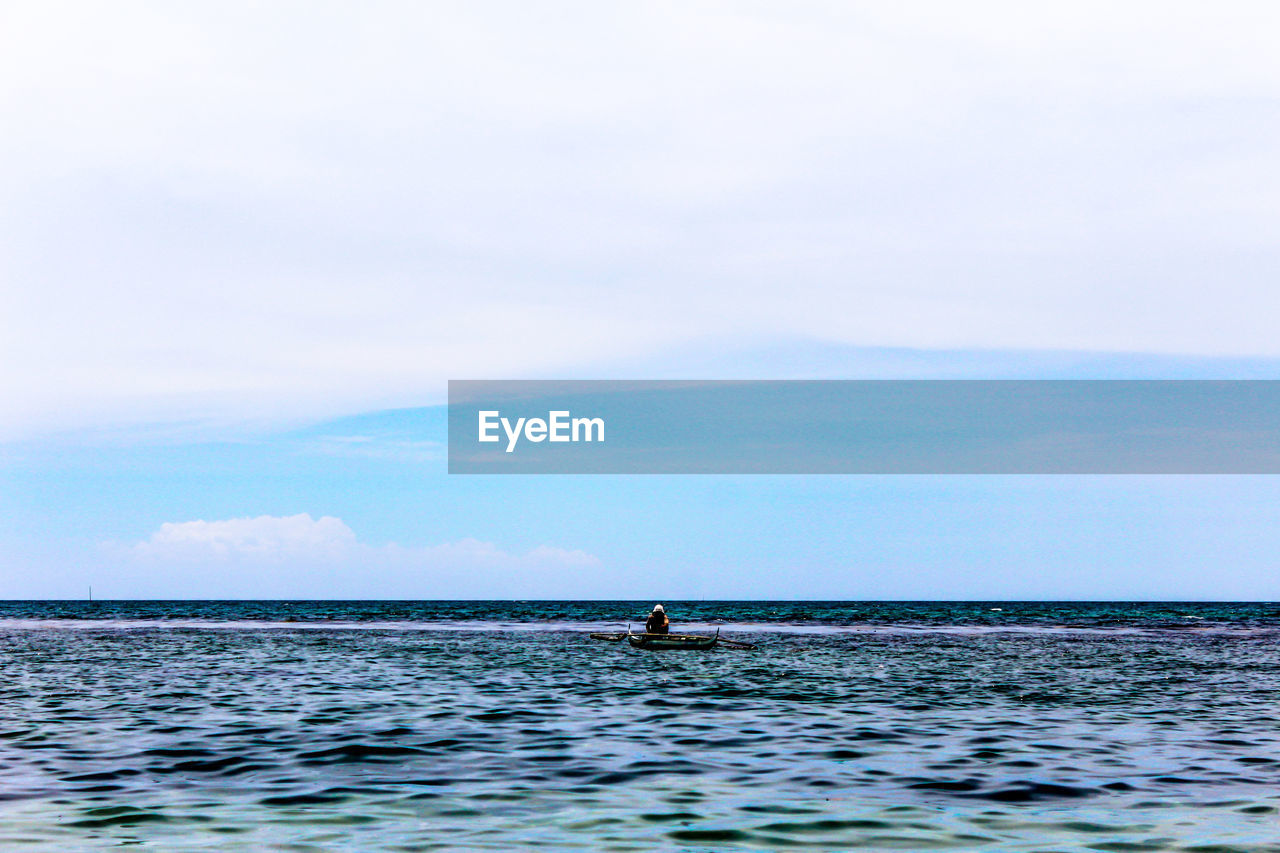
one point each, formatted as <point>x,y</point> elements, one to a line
<point>657,608</point>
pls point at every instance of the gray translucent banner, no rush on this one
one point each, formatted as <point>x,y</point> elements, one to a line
<point>865,427</point>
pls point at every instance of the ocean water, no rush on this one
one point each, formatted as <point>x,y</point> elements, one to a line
<point>500,725</point>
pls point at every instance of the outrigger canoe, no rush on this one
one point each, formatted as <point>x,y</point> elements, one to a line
<point>671,641</point>
<point>664,642</point>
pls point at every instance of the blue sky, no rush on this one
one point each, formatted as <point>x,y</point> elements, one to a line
<point>242,252</point>
<point>90,509</point>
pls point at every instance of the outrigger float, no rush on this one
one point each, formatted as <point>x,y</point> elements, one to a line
<point>673,642</point>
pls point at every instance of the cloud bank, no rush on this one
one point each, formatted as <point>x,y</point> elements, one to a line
<point>294,536</point>
<point>289,556</point>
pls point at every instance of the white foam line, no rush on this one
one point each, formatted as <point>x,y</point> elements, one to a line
<point>478,626</point>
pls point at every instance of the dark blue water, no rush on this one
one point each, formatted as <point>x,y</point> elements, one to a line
<point>500,725</point>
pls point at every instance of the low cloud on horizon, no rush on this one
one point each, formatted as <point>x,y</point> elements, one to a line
<point>287,556</point>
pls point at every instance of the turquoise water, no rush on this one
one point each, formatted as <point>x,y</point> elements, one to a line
<point>498,725</point>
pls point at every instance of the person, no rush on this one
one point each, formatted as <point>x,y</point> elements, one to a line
<point>657,623</point>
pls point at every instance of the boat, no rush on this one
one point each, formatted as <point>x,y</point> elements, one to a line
<point>671,641</point>
<point>665,642</point>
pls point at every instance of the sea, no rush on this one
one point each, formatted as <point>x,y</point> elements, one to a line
<point>485,725</point>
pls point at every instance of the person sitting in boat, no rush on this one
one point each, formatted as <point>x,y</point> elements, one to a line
<point>657,623</point>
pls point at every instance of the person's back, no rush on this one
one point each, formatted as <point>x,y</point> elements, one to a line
<point>657,623</point>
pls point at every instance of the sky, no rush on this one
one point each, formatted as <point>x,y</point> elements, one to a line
<point>242,249</point>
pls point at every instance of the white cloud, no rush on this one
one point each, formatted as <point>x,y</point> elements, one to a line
<point>393,449</point>
<point>219,208</point>
<point>293,556</point>
<point>266,536</point>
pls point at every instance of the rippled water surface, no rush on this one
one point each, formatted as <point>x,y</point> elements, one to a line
<point>473,725</point>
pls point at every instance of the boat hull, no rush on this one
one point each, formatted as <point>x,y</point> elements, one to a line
<point>672,642</point>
